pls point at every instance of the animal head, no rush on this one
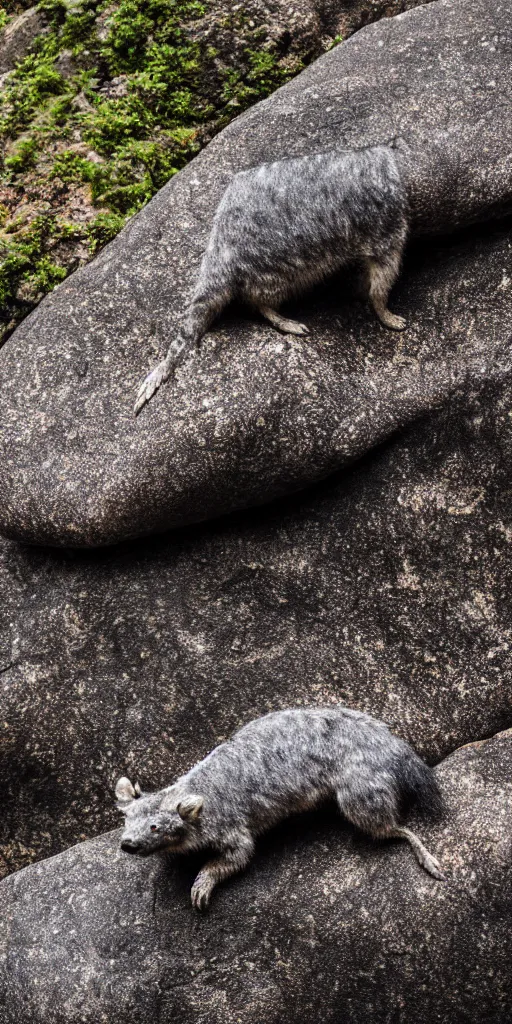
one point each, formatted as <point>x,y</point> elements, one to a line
<point>157,822</point>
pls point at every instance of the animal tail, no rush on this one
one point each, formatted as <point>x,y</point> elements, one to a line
<point>205,306</point>
<point>417,784</point>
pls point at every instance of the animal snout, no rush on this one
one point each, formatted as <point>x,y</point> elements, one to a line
<point>129,846</point>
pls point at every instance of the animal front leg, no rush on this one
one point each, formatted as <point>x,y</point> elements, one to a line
<point>233,859</point>
<point>381,276</point>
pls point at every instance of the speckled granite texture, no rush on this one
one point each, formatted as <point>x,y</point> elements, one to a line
<point>323,927</point>
<point>385,587</point>
<point>253,417</point>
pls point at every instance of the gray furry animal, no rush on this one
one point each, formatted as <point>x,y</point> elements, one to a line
<point>278,765</point>
<point>283,227</point>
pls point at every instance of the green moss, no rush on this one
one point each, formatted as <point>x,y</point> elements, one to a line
<point>24,155</point>
<point>262,74</point>
<point>103,229</point>
<point>27,91</point>
<point>24,259</point>
<point>172,91</point>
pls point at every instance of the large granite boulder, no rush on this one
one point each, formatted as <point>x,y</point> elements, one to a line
<point>324,926</point>
<point>385,588</point>
<point>253,417</point>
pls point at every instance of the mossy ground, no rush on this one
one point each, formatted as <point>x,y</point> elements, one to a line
<point>114,99</point>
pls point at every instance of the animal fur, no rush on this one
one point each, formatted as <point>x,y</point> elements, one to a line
<point>285,762</point>
<point>282,227</point>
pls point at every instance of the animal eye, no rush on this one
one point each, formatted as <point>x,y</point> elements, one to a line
<point>154,828</point>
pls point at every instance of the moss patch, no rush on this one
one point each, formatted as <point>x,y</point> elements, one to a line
<point>114,99</point>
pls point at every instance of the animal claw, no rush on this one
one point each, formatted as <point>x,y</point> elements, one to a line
<point>200,896</point>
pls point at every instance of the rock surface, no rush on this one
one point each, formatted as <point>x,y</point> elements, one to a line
<point>56,208</point>
<point>386,588</point>
<point>17,38</point>
<point>323,926</point>
<point>254,418</point>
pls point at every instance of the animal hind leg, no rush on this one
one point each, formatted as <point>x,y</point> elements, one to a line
<point>281,322</point>
<point>381,276</point>
<point>424,858</point>
<point>375,813</point>
<point>202,311</point>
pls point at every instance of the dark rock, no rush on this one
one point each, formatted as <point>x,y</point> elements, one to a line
<point>324,926</point>
<point>17,38</point>
<point>65,64</point>
<point>386,588</point>
<point>253,418</point>
<point>346,17</point>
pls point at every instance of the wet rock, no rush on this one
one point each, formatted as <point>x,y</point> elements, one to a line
<point>253,417</point>
<point>323,924</point>
<point>17,38</point>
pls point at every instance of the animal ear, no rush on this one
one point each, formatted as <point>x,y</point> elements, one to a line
<point>190,807</point>
<point>125,792</point>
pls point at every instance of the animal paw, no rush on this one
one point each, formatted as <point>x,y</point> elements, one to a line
<point>293,327</point>
<point>200,893</point>
<point>151,384</point>
<point>395,323</point>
